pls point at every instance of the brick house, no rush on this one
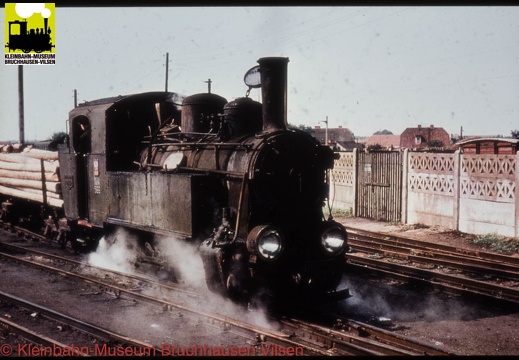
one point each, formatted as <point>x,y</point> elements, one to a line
<point>422,138</point>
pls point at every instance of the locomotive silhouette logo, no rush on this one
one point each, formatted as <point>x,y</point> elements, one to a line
<point>29,29</point>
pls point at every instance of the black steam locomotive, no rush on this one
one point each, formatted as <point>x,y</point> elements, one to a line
<point>26,40</point>
<point>230,177</point>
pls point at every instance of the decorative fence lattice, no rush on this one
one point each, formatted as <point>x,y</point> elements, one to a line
<point>489,165</point>
<point>344,170</point>
<point>488,177</point>
<point>431,173</point>
<point>431,163</point>
<point>436,184</point>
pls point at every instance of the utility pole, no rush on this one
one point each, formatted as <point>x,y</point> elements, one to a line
<point>75,98</point>
<point>167,70</point>
<point>208,82</point>
<point>326,130</point>
<point>21,120</point>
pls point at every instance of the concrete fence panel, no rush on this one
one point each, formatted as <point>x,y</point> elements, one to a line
<point>472,193</point>
<point>488,200</point>
<point>431,189</point>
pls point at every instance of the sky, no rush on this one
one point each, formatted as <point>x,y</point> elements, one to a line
<point>364,68</point>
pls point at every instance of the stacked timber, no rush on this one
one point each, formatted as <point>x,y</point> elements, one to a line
<point>22,175</point>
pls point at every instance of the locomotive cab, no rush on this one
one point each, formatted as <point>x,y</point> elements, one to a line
<point>105,138</point>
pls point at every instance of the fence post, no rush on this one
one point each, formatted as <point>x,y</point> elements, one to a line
<point>516,204</point>
<point>456,190</point>
<point>355,177</point>
<point>405,177</point>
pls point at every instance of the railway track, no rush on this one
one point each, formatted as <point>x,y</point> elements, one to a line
<point>449,268</point>
<point>88,339</point>
<point>350,337</point>
<point>291,335</point>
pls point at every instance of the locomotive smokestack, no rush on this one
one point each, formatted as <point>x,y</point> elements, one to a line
<point>273,72</point>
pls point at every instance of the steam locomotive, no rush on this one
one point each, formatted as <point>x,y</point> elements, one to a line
<point>26,40</point>
<point>230,177</point>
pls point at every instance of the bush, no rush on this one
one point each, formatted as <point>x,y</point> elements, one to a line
<point>497,242</point>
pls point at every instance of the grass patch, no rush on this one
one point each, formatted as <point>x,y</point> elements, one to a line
<point>418,226</point>
<point>498,243</point>
<point>341,212</point>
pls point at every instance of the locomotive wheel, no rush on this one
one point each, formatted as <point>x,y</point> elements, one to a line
<point>76,246</point>
<point>26,50</point>
<point>62,239</point>
<point>234,289</point>
<point>215,285</point>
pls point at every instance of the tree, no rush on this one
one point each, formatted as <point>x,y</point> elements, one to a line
<point>383,132</point>
<point>302,127</point>
<point>515,134</point>
<point>57,138</point>
<point>374,147</point>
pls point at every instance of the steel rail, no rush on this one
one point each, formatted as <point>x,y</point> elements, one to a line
<point>37,338</point>
<point>437,258</point>
<point>345,343</point>
<point>397,339</point>
<point>391,239</point>
<point>76,323</point>
<point>383,341</point>
<point>328,341</point>
<point>474,286</point>
<point>99,268</point>
<point>239,327</point>
<point>350,348</point>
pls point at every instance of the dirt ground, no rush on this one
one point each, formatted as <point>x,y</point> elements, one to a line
<point>466,328</point>
<point>436,234</point>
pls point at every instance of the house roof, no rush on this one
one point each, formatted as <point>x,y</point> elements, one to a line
<point>349,145</point>
<point>334,134</point>
<point>485,139</point>
<point>385,141</point>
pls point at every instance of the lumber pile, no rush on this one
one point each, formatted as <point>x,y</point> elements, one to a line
<point>22,174</point>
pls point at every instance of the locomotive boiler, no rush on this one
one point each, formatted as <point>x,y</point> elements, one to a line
<point>229,177</point>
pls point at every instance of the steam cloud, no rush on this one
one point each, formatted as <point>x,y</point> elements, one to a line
<point>116,253</point>
<point>120,252</point>
<point>185,259</point>
<point>26,10</point>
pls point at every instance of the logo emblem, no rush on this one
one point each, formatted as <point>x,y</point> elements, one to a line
<point>29,34</point>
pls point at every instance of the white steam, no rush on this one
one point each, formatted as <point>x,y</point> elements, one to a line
<point>185,259</point>
<point>26,10</point>
<point>118,252</point>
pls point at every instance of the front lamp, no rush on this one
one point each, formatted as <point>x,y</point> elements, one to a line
<point>267,241</point>
<point>334,239</point>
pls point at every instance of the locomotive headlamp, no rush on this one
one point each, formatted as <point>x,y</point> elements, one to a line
<point>267,241</point>
<point>334,239</point>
